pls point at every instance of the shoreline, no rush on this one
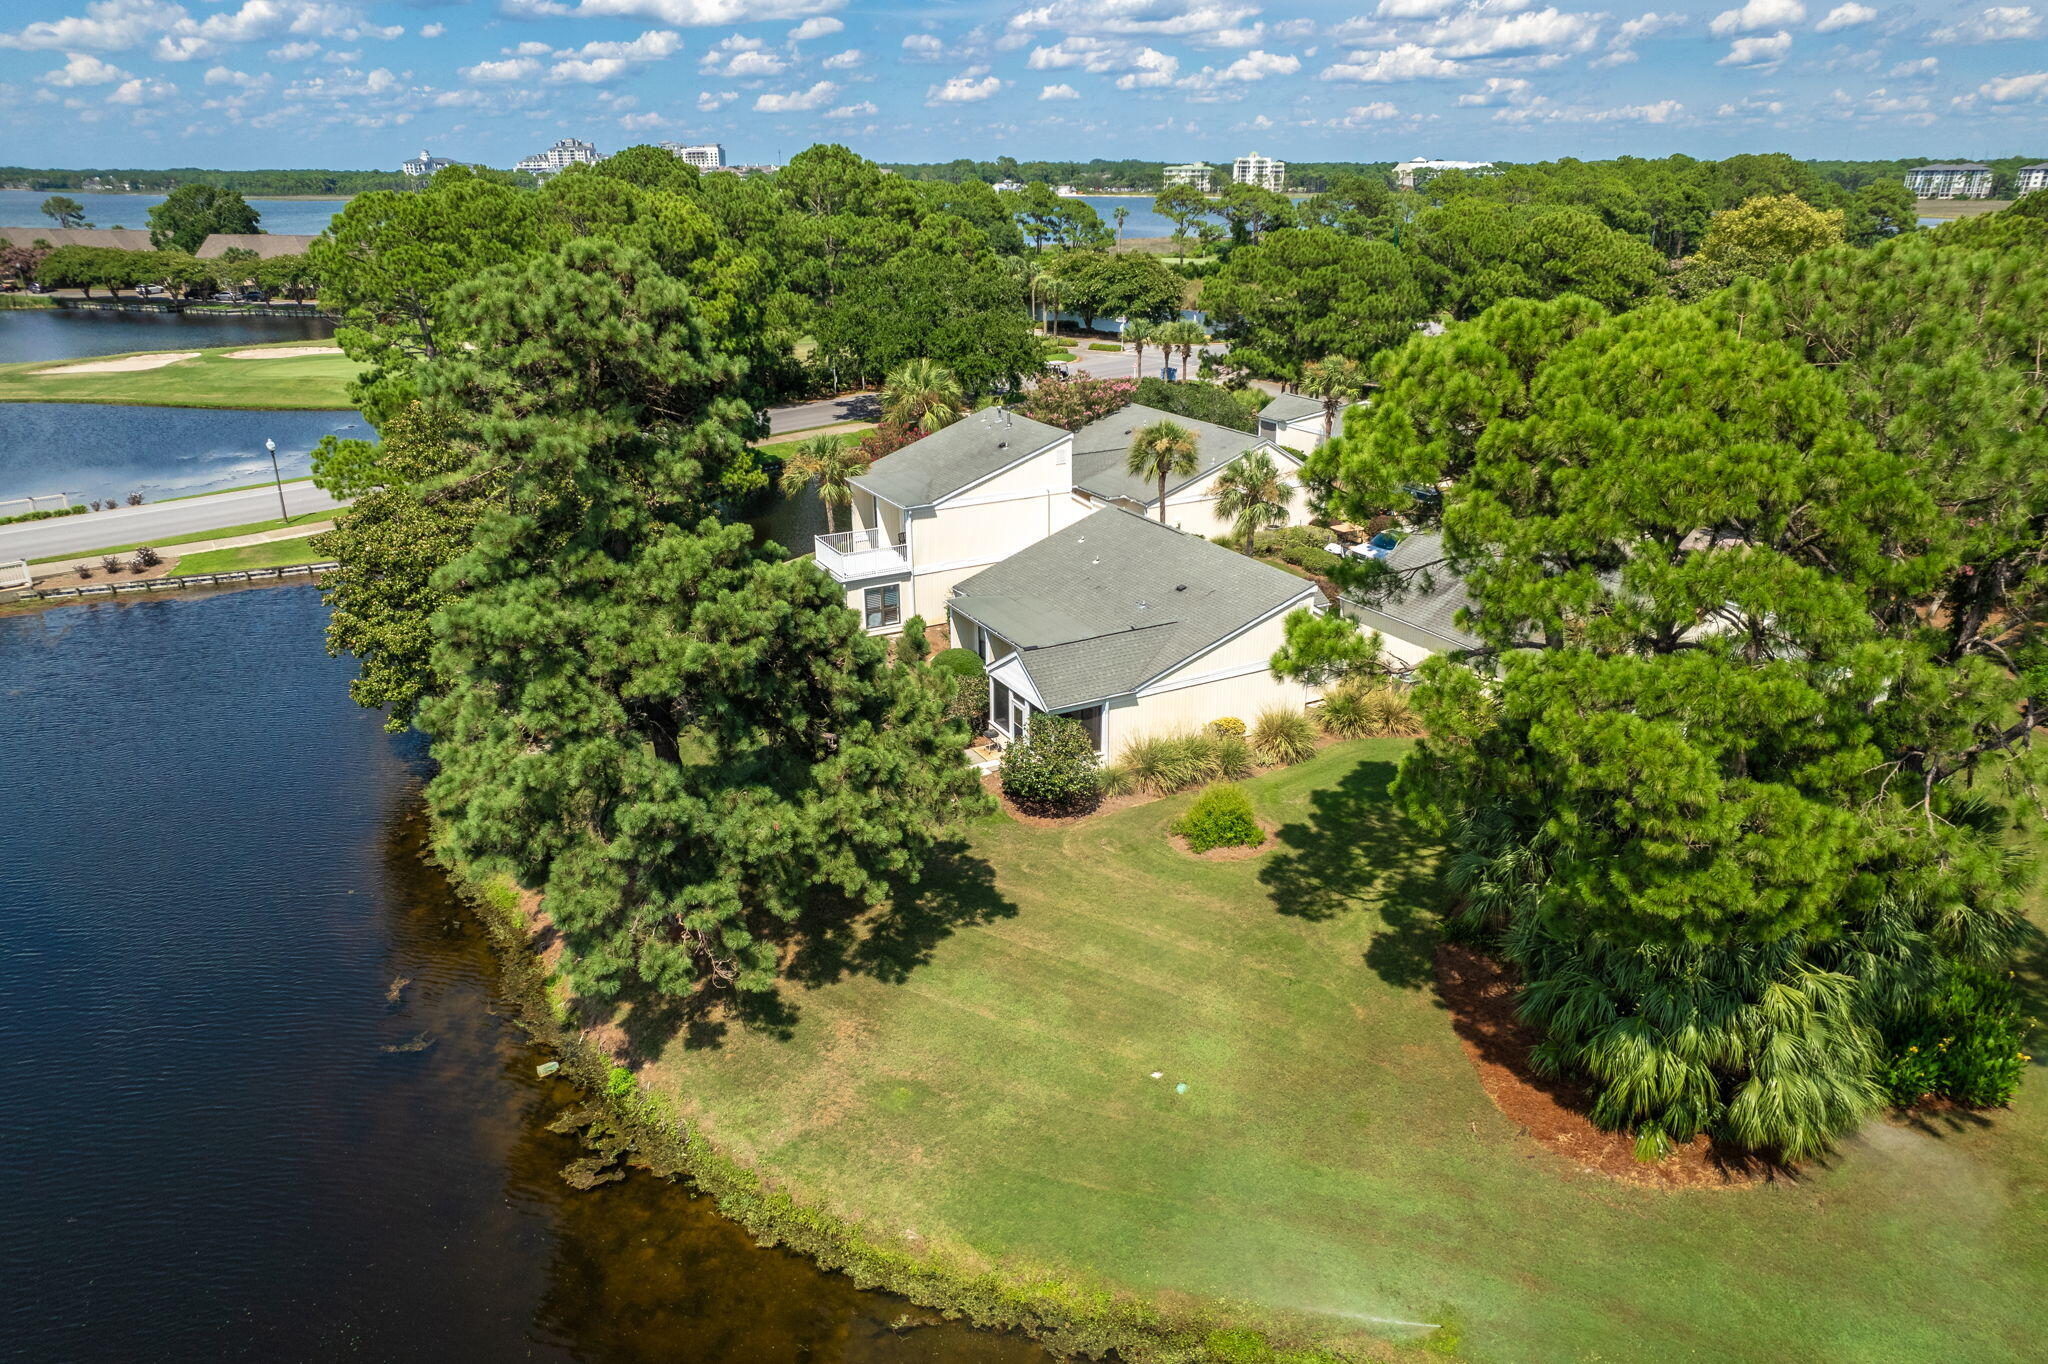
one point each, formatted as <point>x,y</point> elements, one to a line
<point>623,1122</point>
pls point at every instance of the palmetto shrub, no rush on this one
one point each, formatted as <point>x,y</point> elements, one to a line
<point>1283,735</point>
<point>1166,763</point>
<point>1221,817</point>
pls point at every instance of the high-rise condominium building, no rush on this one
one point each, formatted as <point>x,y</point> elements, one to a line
<point>705,156</point>
<point>1199,174</point>
<point>564,154</point>
<point>1262,171</point>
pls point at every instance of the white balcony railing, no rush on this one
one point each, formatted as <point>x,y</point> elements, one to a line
<point>861,554</point>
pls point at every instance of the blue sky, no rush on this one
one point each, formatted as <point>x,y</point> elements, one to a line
<point>365,83</point>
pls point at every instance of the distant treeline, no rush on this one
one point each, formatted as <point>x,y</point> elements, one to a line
<point>1315,176</point>
<point>258,182</point>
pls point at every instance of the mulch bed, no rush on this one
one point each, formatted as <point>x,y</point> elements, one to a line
<point>1051,819</point>
<point>100,577</point>
<point>1480,994</point>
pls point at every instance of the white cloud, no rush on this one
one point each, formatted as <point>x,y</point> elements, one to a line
<point>1149,67</point>
<point>1060,91</point>
<point>969,87</point>
<point>1415,9</point>
<point>1924,66</point>
<point>1757,14</point>
<point>822,26</point>
<point>1136,18</point>
<point>1408,62</point>
<point>534,49</point>
<point>143,90</point>
<point>81,69</point>
<point>924,46</point>
<point>1542,110</point>
<point>2013,89</point>
<point>432,30</point>
<point>2000,24</point>
<point>864,109</point>
<point>841,61</point>
<point>739,56</point>
<point>1845,16</point>
<point>1258,64</point>
<point>1482,31</point>
<point>294,52</point>
<point>222,75</point>
<point>1499,90</point>
<point>497,73</point>
<point>1359,115</point>
<point>707,100</point>
<point>1758,52</point>
<point>796,101</point>
<point>685,13</point>
<point>640,123</point>
<point>1090,54</point>
<point>106,26</point>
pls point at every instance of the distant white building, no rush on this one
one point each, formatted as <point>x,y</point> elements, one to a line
<point>426,163</point>
<point>705,156</point>
<point>1008,186</point>
<point>1262,171</point>
<point>558,158</point>
<point>1199,174</point>
<point>1406,173</point>
<point>1950,180</point>
<point>2031,178</point>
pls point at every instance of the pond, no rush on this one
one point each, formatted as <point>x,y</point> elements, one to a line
<point>265,1099</point>
<point>23,208</point>
<point>92,450</point>
<point>31,334</point>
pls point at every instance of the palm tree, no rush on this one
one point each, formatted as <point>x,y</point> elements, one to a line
<point>924,394</point>
<point>1138,331</point>
<point>1120,213</point>
<point>1162,450</point>
<point>1051,288</point>
<point>831,464</point>
<point>1336,380</point>
<point>1184,336</point>
<point>1253,495</point>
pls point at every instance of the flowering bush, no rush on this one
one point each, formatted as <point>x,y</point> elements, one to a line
<point>1967,1046</point>
<point>1071,404</point>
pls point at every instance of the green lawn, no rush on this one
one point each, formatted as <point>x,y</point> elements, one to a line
<point>276,554</point>
<point>208,380</point>
<point>974,1074</point>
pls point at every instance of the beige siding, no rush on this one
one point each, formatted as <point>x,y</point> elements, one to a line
<point>1193,509</point>
<point>1183,700</point>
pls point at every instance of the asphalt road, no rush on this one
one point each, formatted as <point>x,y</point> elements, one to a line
<point>156,521</point>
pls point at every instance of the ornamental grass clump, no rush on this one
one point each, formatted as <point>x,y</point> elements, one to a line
<point>1221,817</point>
<point>1053,768</point>
<point>1356,711</point>
<point>1283,736</point>
<point>1166,763</point>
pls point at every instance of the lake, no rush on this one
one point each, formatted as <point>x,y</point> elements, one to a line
<point>93,450</point>
<point>23,208</point>
<point>29,334</point>
<point>265,1100</point>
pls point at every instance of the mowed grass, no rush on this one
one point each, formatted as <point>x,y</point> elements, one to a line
<point>973,1074</point>
<point>209,379</point>
<point>276,554</point>
<point>191,537</point>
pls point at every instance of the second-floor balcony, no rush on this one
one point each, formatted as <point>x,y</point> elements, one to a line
<point>861,554</point>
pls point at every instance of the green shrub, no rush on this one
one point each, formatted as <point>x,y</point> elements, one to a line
<point>1166,763</point>
<point>1343,713</point>
<point>969,705</point>
<point>912,645</point>
<point>1230,757</point>
<point>1227,726</point>
<point>1283,736</point>
<point>1104,345</point>
<point>1203,402</point>
<point>1221,817</point>
<point>1115,779</point>
<point>1053,767</point>
<point>1301,546</point>
<point>959,662</point>
<point>1390,711</point>
<point>1966,1045</point>
<point>1237,1347</point>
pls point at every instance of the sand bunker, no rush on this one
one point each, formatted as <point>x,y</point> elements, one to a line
<point>282,352</point>
<point>126,364</point>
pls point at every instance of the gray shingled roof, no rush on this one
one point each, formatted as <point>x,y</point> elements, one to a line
<point>961,455</point>
<point>1434,607</point>
<point>1290,407</point>
<point>1116,599</point>
<point>266,245</point>
<point>1101,447</point>
<point>1951,166</point>
<point>119,238</point>
<point>2038,165</point>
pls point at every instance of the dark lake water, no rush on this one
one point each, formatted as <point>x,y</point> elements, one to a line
<point>23,208</point>
<point>28,334</point>
<point>92,450</point>
<point>264,1099</point>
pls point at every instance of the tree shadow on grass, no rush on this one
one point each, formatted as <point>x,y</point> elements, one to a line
<point>1356,851</point>
<point>892,940</point>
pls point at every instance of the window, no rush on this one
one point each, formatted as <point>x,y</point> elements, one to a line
<point>999,705</point>
<point>1089,720</point>
<point>883,606</point>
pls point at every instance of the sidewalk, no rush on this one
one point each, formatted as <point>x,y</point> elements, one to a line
<point>40,572</point>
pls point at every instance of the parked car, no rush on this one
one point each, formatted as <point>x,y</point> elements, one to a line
<point>255,296</point>
<point>150,291</point>
<point>1379,547</point>
<point>226,296</point>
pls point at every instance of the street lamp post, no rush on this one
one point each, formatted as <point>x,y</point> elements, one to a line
<point>271,446</point>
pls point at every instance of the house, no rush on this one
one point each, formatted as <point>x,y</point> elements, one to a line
<point>947,506</point>
<point>1129,627</point>
<point>969,496</point>
<point>1102,450</point>
<point>426,165</point>
<point>1409,174</point>
<point>1262,171</point>
<point>1198,174</point>
<point>119,238</point>
<point>2028,179</point>
<point>266,245</point>
<point>1297,421</point>
<point>1421,618</point>
<point>1950,180</point>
